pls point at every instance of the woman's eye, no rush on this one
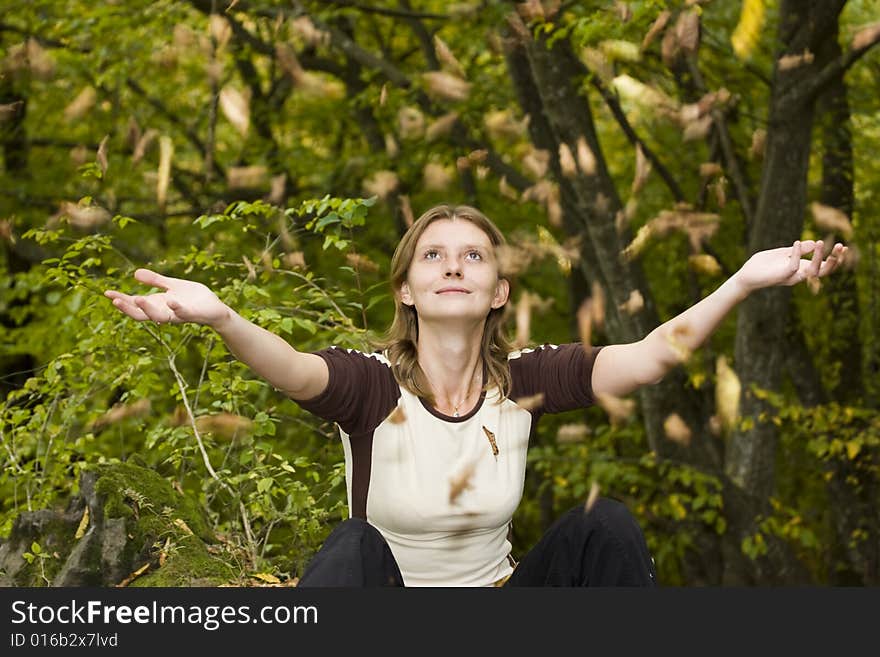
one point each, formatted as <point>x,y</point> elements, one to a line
<point>476,255</point>
<point>429,255</point>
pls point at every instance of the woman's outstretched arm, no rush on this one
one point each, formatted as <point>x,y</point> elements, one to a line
<point>620,369</point>
<point>299,375</point>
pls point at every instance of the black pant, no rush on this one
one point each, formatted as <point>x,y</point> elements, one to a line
<point>604,547</point>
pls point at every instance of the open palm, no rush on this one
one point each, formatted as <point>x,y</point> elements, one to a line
<point>785,266</point>
<point>182,301</point>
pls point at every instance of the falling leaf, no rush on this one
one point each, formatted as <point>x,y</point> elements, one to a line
<point>748,30</point>
<point>643,168</point>
<point>224,425</point>
<point>383,95</point>
<point>623,10</point>
<point>814,285</point>
<point>788,62</point>
<point>703,263</point>
<point>677,430</point>
<point>6,233</point>
<point>727,393</point>
<point>530,10</point>
<point>585,322</point>
<point>361,262</point>
<point>710,169</point>
<point>634,303</point>
<point>236,108</point>
<point>397,416</point>
<point>720,189</point>
<point>585,158</point>
<point>277,194</point>
<point>80,105</point>
<point>410,123</point>
<point>220,30</point>
<point>255,176</point>
<point>831,219</point>
<point>566,161</point>
<point>500,124</point>
<point>461,482</point>
<point>445,86</point>
<point>687,31</point>
<point>523,319</point>
<point>382,183</point>
<point>759,142</point>
<point>436,177</point>
<point>592,497</point>
<point>85,217</point>
<point>866,37</point>
<point>305,29</point>
<point>391,147</point>
<point>575,432</point>
<point>142,144</point>
<point>295,260</point>
<point>252,273</point>
<point>121,412</point>
<point>697,129</point>
<point>492,442</point>
<point>506,190</point>
<point>166,152</point>
<point>10,110</point>
<point>531,402</point>
<point>406,210</point>
<point>619,410</point>
<point>677,341</point>
<point>447,59</point>
<point>441,126</point>
<point>536,162</point>
<point>83,525</point>
<point>656,27</point>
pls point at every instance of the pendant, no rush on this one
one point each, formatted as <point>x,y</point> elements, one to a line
<point>455,414</point>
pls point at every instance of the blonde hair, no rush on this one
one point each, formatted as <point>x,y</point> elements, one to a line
<point>400,341</point>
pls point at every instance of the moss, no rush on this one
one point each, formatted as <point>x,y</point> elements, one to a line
<point>132,491</point>
<point>188,564</point>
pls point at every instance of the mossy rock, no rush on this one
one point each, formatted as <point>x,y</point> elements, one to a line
<point>139,531</point>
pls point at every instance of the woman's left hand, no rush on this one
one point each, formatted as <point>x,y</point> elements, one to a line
<point>785,266</point>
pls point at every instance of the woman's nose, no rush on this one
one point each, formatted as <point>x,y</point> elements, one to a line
<point>453,272</point>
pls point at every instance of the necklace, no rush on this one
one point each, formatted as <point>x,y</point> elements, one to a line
<point>467,393</point>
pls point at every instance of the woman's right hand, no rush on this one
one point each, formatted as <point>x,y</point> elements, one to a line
<point>182,301</point>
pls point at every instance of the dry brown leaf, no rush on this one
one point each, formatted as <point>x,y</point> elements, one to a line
<point>84,217</point>
<point>81,105</point>
<point>397,416</point>
<point>656,27</point>
<point>252,273</point>
<point>361,262</point>
<point>492,442</point>
<point>697,129</point>
<point>220,30</point>
<point>406,210</point>
<point>831,219</point>
<point>687,31</point>
<point>592,497</point>
<point>303,27</point>
<point>677,341</point>
<point>410,123</point>
<point>703,263</point>
<point>623,10</point>
<point>255,176</point>
<point>633,304</point>
<point>445,86</point>
<point>523,319</point>
<point>383,95</point>
<point>643,168</point>
<point>585,158</point>
<point>121,412</point>
<point>391,147</point>
<point>677,430</point>
<point>441,126</point>
<point>599,63</point>
<point>500,124</point>
<point>814,285</point>
<point>575,432</point>
<point>382,183</point>
<point>236,108</point>
<point>437,177</point>
<point>83,525</point>
<point>536,161</point>
<point>788,62</point>
<point>759,142</point>
<point>224,425</point>
<point>585,322</point>
<point>277,194</point>
<point>597,303</point>
<point>506,190</point>
<point>669,47</point>
<point>166,152</point>
<point>447,59</point>
<point>461,482</point>
<point>142,144</point>
<point>566,161</point>
<point>180,523</point>
<point>619,410</point>
<point>266,259</point>
<point>6,232</point>
<point>294,260</point>
<point>531,402</point>
<point>10,110</point>
<point>710,169</point>
<point>720,189</point>
<point>865,37</point>
<point>727,393</point>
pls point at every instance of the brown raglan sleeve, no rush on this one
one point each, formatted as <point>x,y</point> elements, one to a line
<point>562,373</point>
<point>361,391</point>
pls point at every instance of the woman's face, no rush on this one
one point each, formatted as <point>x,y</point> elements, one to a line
<point>454,273</point>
